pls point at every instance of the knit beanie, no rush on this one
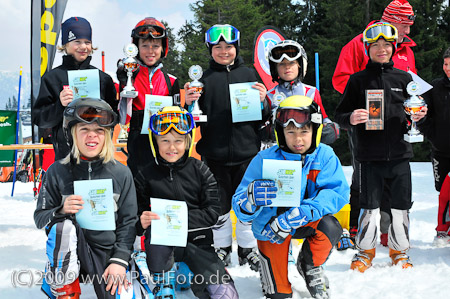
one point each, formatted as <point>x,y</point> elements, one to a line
<point>75,28</point>
<point>399,11</point>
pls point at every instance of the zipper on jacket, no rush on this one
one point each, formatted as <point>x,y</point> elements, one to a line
<point>386,135</point>
<point>170,174</point>
<point>228,68</point>
<point>230,148</point>
<point>89,169</point>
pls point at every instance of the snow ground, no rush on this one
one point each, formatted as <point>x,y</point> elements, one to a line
<point>22,248</point>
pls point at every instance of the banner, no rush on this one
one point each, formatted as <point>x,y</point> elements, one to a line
<point>46,19</point>
<point>265,38</point>
<point>7,136</point>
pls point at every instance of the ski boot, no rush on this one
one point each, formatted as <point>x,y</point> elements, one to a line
<point>345,242</point>
<point>400,258</point>
<point>363,260</point>
<point>69,291</point>
<point>316,281</point>
<point>224,254</point>
<point>183,276</point>
<point>442,239</point>
<point>164,285</point>
<point>250,256</point>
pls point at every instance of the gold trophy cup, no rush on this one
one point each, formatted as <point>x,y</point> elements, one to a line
<point>130,64</point>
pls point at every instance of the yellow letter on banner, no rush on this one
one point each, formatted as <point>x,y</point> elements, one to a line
<point>44,60</point>
<point>47,35</point>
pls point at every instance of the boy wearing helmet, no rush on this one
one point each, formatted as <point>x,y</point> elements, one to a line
<point>174,175</point>
<point>151,38</point>
<point>324,191</point>
<point>73,251</point>
<point>288,63</point>
<point>383,154</point>
<point>225,146</point>
<point>54,94</point>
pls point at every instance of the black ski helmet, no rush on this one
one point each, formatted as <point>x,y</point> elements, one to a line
<point>87,110</point>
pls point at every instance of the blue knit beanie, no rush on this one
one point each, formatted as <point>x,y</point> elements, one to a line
<point>75,28</point>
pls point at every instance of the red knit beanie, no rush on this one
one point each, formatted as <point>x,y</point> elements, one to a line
<point>399,11</point>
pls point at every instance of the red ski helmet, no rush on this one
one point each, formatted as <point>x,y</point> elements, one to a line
<point>151,27</point>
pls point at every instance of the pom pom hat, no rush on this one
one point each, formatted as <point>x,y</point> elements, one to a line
<point>399,11</point>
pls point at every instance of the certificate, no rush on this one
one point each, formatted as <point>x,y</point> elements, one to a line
<point>98,208</point>
<point>172,227</point>
<point>84,83</point>
<point>245,102</point>
<point>375,106</point>
<point>287,175</point>
<point>152,105</point>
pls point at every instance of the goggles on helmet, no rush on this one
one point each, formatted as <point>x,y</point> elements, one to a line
<point>298,116</point>
<point>162,122</point>
<point>290,52</point>
<point>229,33</point>
<point>89,114</point>
<point>145,31</point>
<point>375,31</point>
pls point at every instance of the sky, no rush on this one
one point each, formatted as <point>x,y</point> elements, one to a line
<point>22,252</point>
<point>111,22</point>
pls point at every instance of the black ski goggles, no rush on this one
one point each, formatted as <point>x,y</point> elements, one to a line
<point>89,114</point>
<point>298,116</point>
<point>289,52</point>
<point>146,31</point>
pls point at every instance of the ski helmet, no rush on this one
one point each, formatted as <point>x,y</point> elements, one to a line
<point>301,111</point>
<point>226,33</point>
<point>151,27</point>
<point>380,30</point>
<point>290,50</point>
<point>87,110</point>
<point>171,118</point>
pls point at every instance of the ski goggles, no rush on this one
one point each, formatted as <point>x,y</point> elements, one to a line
<point>162,122</point>
<point>375,31</point>
<point>289,52</point>
<point>146,31</point>
<point>89,114</point>
<point>229,33</point>
<point>298,116</point>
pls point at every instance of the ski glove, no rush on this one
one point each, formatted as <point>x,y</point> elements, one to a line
<point>274,233</point>
<point>259,193</point>
<point>286,222</point>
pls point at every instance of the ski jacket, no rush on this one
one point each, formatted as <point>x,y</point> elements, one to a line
<point>324,189</point>
<point>437,121</point>
<point>57,185</point>
<point>188,180</point>
<point>353,59</point>
<point>296,88</point>
<point>48,110</point>
<point>222,140</point>
<point>377,145</point>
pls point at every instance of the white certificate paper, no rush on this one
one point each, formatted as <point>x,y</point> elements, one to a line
<point>245,102</point>
<point>98,207</point>
<point>287,175</point>
<point>172,227</point>
<point>152,105</point>
<point>84,83</point>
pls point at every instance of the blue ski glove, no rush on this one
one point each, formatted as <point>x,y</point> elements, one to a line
<point>294,217</point>
<point>259,193</point>
<point>274,233</point>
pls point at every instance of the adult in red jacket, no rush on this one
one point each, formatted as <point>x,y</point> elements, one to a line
<point>150,36</point>
<point>353,58</point>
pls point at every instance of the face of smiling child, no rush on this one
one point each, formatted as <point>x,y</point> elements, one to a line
<point>90,139</point>
<point>171,146</point>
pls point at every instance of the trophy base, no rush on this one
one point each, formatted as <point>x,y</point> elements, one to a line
<point>200,118</point>
<point>121,140</point>
<point>128,94</point>
<point>413,138</point>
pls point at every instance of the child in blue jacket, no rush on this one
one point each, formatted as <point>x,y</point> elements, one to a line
<point>324,191</point>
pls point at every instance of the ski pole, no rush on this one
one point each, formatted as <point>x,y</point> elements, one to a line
<point>316,56</point>
<point>17,132</point>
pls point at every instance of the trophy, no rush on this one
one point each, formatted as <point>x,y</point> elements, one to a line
<point>130,64</point>
<point>195,73</point>
<point>413,105</point>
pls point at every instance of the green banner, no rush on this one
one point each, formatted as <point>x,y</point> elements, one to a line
<point>7,136</point>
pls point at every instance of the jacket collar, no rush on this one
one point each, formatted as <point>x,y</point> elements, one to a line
<point>238,61</point>
<point>70,62</point>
